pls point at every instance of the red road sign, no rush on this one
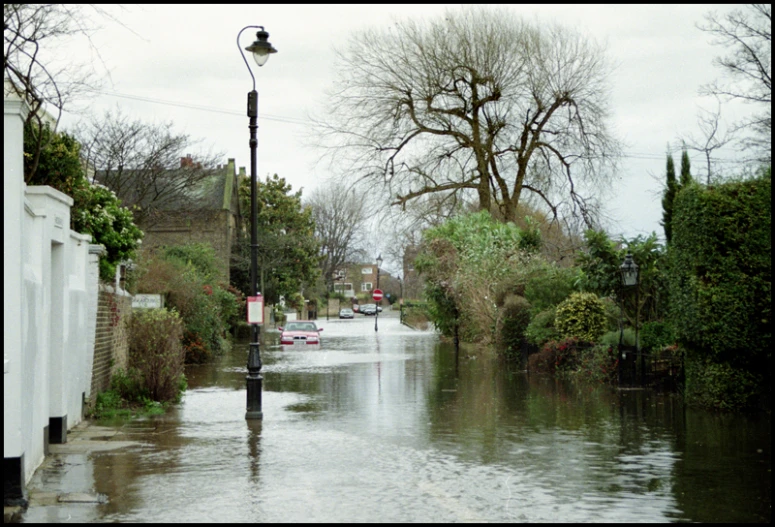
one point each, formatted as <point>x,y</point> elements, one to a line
<point>377,295</point>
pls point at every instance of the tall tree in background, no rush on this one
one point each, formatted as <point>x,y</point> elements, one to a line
<point>479,103</point>
<point>147,165</point>
<point>747,35</point>
<point>671,189</point>
<point>340,218</point>
<point>288,253</point>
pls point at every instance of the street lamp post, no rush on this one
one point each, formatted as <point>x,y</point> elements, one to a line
<point>630,277</point>
<point>376,307</point>
<point>401,300</point>
<point>261,49</point>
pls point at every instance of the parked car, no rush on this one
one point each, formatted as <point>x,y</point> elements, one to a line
<point>300,333</point>
<point>369,309</point>
<point>346,313</point>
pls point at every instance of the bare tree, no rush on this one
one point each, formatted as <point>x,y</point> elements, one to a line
<point>712,138</point>
<point>340,218</point>
<point>747,34</point>
<point>30,70</point>
<point>149,166</point>
<point>477,105</point>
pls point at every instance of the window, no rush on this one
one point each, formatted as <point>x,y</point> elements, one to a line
<point>366,286</point>
<point>343,288</point>
<point>366,270</point>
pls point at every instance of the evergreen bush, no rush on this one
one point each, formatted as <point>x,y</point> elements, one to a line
<point>581,315</point>
<point>721,289</point>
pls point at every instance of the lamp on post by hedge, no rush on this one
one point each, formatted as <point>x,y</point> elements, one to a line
<point>261,49</point>
<point>630,277</point>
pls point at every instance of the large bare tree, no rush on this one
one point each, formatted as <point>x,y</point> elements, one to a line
<point>747,34</point>
<point>478,103</point>
<point>149,166</point>
<point>340,218</point>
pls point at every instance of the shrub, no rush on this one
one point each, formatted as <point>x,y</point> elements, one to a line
<point>155,351</point>
<point>599,364</point>
<point>97,211</point>
<point>721,288</point>
<point>582,316</point>
<point>207,310</point>
<point>514,320</point>
<point>719,385</point>
<point>721,279</point>
<point>547,285</point>
<point>559,357</point>
<point>128,384</point>
<point>541,328</point>
<point>199,255</point>
<point>656,335</point>
<point>611,338</point>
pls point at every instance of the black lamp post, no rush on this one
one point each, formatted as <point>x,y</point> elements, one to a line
<point>261,50</point>
<point>401,299</point>
<point>376,307</point>
<point>629,271</point>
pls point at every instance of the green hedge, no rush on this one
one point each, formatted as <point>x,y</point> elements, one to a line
<point>720,281</point>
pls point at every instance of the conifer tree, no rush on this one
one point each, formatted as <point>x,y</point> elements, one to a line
<point>686,176</point>
<point>668,197</point>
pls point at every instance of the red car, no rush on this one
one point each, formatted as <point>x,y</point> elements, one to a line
<point>300,332</point>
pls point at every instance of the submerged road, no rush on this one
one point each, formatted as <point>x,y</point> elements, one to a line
<point>389,426</point>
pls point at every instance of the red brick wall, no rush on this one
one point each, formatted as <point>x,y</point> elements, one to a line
<point>110,343</point>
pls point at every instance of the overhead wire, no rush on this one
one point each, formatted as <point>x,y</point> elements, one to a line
<point>293,120</point>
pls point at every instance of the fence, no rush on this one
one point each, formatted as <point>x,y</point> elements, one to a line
<point>660,369</point>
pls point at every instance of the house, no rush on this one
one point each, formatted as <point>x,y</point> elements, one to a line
<point>204,212</point>
<point>360,279</point>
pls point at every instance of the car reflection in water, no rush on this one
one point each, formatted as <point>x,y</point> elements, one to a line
<point>300,333</point>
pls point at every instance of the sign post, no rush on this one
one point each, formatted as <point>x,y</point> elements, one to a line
<point>256,309</point>
<point>377,296</point>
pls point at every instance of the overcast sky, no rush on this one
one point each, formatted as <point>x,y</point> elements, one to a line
<point>172,63</point>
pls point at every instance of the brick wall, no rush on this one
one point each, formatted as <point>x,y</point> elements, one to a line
<point>110,343</point>
<point>202,226</point>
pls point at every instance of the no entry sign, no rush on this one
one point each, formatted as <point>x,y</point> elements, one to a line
<point>377,295</point>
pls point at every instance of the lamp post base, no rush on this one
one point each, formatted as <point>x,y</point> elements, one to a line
<point>254,386</point>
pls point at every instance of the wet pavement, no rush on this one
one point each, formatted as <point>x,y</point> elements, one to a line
<point>392,426</point>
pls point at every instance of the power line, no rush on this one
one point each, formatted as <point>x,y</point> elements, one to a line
<point>213,109</point>
<point>292,120</point>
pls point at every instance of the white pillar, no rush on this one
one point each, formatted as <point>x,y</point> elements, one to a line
<point>14,114</point>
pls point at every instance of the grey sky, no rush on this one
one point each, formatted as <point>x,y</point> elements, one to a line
<point>188,55</point>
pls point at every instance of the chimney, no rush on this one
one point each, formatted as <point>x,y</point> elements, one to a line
<point>186,162</point>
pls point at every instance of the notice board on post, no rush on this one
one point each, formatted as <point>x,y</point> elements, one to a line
<point>256,309</point>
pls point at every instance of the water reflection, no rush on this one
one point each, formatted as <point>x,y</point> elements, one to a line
<point>394,427</point>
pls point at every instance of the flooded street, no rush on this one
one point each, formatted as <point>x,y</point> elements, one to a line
<point>388,426</point>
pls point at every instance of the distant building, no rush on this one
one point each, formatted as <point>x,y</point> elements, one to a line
<point>360,279</point>
<point>209,214</point>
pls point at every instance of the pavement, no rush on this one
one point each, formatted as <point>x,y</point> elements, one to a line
<point>64,463</point>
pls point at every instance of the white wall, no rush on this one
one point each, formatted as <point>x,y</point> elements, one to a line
<point>14,113</point>
<point>50,307</point>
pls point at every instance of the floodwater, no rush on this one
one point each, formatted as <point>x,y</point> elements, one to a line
<point>389,426</point>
